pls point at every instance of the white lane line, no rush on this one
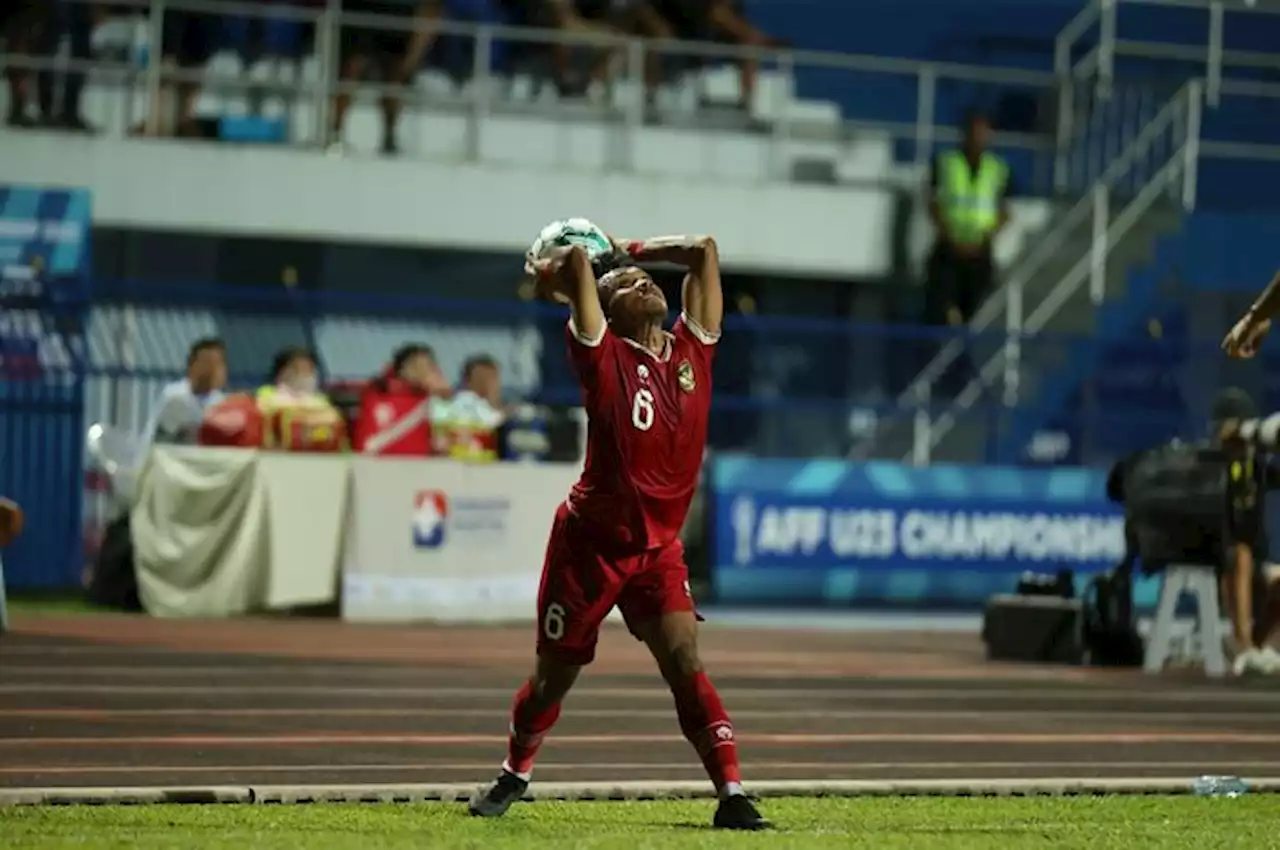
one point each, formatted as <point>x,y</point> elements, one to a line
<point>658,692</point>
<point>757,767</point>
<point>763,738</point>
<point>993,716</point>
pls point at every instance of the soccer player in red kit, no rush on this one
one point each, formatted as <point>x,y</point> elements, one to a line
<point>615,540</point>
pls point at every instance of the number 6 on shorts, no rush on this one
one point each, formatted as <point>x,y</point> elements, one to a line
<point>553,622</point>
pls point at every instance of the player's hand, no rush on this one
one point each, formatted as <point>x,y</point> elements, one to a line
<point>1246,337</point>
<point>546,287</point>
<point>623,254</point>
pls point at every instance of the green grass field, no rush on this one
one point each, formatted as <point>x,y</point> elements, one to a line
<point>1095,823</point>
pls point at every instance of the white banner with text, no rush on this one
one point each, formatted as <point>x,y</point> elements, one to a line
<point>448,542</point>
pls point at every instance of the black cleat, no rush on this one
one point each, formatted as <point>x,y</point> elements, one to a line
<point>738,812</point>
<point>494,801</point>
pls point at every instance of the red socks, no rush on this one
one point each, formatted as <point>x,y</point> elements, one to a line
<point>529,725</point>
<point>706,724</point>
<point>703,720</point>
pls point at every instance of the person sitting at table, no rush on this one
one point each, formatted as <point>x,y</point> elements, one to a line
<point>179,410</point>
<point>475,416</point>
<point>398,409</point>
<point>297,415</point>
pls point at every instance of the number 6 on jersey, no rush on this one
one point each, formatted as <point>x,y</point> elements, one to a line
<point>553,621</point>
<point>642,409</point>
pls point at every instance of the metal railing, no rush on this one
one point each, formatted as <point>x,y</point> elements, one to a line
<point>622,104</point>
<point>1094,208</point>
<point>1212,56</point>
<point>1108,147</point>
<point>1091,269</point>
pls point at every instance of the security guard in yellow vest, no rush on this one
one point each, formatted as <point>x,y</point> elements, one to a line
<point>969,188</point>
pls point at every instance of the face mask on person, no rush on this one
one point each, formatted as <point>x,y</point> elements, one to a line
<point>304,383</point>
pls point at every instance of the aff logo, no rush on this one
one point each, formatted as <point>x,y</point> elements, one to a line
<point>430,516</point>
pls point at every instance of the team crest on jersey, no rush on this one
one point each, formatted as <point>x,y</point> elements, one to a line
<point>684,375</point>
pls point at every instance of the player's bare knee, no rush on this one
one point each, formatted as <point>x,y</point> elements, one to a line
<point>552,680</point>
<point>680,660</point>
<point>688,661</point>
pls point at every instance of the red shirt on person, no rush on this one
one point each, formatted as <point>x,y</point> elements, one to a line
<point>394,419</point>
<point>646,430</point>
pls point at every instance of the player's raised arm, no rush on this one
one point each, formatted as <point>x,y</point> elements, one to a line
<point>565,275</point>
<point>1246,337</point>
<point>702,298</point>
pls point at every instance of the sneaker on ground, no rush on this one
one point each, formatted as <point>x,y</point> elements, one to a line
<point>493,802</point>
<point>1247,662</point>
<point>1269,659</point>
<point>738,812</point>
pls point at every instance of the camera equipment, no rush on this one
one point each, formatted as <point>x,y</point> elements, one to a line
<point>1175,502</point>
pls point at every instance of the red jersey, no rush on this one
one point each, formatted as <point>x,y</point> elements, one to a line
<point>646,429</point>
<point>394,419</point>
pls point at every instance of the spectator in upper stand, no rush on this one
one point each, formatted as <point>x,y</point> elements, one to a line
<point>563,15</point>
<point>968,193</point>
<point>395,54</point>
<point>180,407</point>
<point>77,22</point>
<point>36,29</point>
<point>23,24</point>
<point>723,21</point>
<point>190,39</point>
<point>633,17</point>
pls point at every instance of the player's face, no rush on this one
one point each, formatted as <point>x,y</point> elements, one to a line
<point>637,298</point>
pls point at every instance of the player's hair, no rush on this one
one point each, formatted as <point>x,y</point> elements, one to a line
<point>286,357</point>
<point>405,353</point>
<point>208,343</point>
<point>477,361</point>
<point>608,285</point>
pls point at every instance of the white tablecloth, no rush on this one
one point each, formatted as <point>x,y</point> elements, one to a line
<point>219,532</point>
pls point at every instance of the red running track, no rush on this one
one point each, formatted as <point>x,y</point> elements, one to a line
<point>128,701</point>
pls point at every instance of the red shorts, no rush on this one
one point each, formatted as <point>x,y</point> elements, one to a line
<point>580,586</point>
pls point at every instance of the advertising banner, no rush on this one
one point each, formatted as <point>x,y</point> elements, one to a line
<point>832,532</point>
<point>447,541</point>
<point>44,265</point>
<point>44,229</point>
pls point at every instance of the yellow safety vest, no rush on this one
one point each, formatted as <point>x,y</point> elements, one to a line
<point>969,199</point>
